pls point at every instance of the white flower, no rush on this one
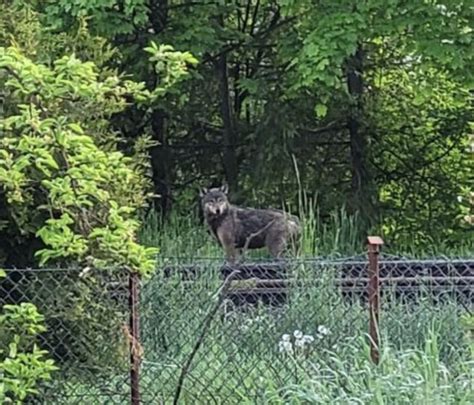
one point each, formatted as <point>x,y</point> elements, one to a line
<point>308,339</point>
<point>299,343</point>
<point>285,338</point>
<point>298,334</point>
<point>285,347</point>
<point>303,340</point>
<point>322,330</point>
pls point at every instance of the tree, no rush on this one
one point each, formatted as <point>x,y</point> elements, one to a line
<point>347,45</point>
<point>68,194</point>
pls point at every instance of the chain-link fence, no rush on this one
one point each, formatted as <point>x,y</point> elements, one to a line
<point>86,318</point>
<point>213,333</point>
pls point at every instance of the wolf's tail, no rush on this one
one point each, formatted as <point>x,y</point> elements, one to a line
<point>294,234</point>
<point>294,226</point>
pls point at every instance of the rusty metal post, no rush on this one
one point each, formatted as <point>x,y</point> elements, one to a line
<point>135,347</point>
<point>374,244</point>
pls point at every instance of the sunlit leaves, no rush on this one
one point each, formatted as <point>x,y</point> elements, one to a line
<point>330,31</point>
<point>422,157</point>
<point>321,110</point>
<point>170,65</point>
<point>22,363</point>
<point>52,162</point>
<point>106,16</point>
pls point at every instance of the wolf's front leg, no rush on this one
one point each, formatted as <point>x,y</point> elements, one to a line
<point>228,243</point>
<point>231,254</point>
<point>276,245</point>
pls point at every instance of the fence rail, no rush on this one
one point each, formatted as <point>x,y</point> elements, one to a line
<point>207,332</point>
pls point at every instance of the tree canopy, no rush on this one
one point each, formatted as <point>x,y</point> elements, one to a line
<point>366,105</point>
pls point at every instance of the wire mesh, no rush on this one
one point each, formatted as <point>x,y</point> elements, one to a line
<point>207,341</point>
<point>85,314</point>
<point>277,317</point>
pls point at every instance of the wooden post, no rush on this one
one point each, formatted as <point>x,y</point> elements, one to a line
<point>135,338</point>
<point>374,244</point>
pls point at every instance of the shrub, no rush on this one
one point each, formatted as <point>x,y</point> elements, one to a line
<point>22,364</point>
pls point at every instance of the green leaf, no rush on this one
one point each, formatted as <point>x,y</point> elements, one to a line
<point>76,128</point>
<point>321,110</point>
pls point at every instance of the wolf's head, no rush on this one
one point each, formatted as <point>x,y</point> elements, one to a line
<point>214,201</point>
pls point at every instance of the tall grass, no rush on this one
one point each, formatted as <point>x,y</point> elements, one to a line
<point>183,236</point>
<point>336,234</point>
<point>416,376</point>
<point>339,234</point>
<point>425,357</point>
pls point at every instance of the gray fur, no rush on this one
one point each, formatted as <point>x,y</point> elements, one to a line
<point>238,229</point>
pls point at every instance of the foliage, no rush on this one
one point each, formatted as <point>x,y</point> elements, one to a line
<point>87,196</point>
<point>92,106</point>
<point>68,195</point>
<point>107,16</point>
<point>62,178</point>
<point>413,193</point>
<point>339,235</point>
<point>22,363</point>
<point>272,89</point>
<point>403,376</point>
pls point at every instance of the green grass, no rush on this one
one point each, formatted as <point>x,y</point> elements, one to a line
<point>425,352</point>
<point>184,237</point>
<point>415,376</point>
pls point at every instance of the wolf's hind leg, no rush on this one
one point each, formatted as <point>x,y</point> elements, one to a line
<point>276,244</point>
<point>295,245</point>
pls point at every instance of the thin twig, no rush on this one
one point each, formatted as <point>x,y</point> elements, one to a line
<point>204,328</point>
<point>255,234</point>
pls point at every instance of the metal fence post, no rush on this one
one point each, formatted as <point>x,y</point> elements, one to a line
<point>374,243</point>
<point>135,348</point>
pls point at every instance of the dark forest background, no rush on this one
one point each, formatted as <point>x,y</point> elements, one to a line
<point>321,105</point>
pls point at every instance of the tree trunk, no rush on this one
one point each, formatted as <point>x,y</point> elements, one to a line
<point>361,199</point>
<point>161,160</point>
<point>229,134</point>
<point>161,163</point>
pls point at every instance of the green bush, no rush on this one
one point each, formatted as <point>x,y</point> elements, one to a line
<point>22,363</point>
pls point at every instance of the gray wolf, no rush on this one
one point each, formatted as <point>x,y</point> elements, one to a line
<point>238,229</point>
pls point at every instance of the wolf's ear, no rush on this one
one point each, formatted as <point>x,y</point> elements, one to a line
<point>224,188</point>
<point>203,191</point>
